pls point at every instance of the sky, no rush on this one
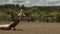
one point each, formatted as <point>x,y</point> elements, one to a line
<point>32,2</point>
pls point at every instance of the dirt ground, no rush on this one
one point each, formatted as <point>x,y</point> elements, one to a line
<point>34,28</point>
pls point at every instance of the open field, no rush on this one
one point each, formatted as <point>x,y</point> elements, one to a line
<point>34,28</point>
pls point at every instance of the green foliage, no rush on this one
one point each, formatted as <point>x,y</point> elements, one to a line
<point>4,16</point>
<point>30,12</point>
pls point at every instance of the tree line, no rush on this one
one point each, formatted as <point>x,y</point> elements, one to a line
<point>32,13</point>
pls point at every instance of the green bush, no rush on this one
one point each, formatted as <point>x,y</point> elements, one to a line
<point>58,17</point>
<point>4,16</point>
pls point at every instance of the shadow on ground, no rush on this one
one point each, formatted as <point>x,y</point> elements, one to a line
<point>13,30</point>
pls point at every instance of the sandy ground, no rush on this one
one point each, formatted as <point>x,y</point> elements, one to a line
<point>34,28</point>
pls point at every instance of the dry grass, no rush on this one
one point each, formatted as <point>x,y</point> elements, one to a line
<point>34,28</point>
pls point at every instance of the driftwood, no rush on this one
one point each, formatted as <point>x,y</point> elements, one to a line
<point>13,24</point>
